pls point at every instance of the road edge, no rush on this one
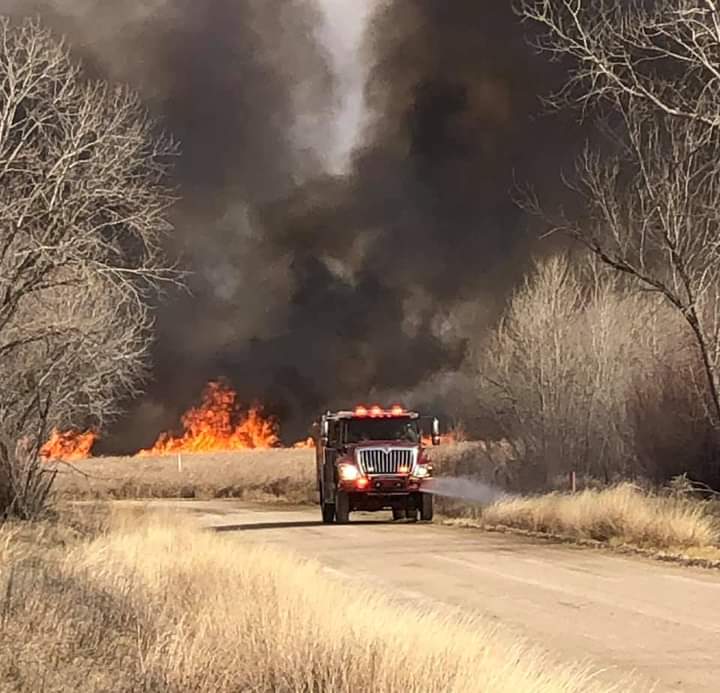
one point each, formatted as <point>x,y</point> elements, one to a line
<point>622,549</point>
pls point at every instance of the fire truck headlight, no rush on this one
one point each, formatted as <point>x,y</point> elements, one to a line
<point>422,471</point>
<point>348,472</point>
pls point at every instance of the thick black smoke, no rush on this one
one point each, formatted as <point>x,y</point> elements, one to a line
<point>310,290</point>
<point>231,80</point>
<point>397,264</point>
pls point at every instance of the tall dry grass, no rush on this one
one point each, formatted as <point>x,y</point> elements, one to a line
<point>286,476</point>
<point>164,607</point>
<point>620,514</point>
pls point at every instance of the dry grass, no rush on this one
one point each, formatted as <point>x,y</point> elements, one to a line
<point>164,607</point>
<point>622,514</point>
<point>272,476</point>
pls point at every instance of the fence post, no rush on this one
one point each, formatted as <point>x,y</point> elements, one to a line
<point>573,482</point>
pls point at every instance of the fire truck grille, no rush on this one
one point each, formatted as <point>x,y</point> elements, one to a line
<point>387,461</point>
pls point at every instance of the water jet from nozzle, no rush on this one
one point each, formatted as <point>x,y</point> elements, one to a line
<point>466,489</point>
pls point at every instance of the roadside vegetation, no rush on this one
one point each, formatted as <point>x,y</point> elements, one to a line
<point>161,606</point>
<point>620,515</point>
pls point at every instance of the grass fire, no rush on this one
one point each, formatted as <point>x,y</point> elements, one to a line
<point>69,445</point>
<point>220,424</point>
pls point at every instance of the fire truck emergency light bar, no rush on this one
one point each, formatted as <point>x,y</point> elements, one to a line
<point>377,411</point>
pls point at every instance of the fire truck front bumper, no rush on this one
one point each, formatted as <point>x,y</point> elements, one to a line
<point>382,485</point>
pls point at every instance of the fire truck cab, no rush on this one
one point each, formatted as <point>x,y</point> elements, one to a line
<point>373,459</point>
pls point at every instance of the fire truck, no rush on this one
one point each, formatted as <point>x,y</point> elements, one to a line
<point>372,459</point>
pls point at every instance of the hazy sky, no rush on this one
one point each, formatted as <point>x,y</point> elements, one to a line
<point>346,22</point>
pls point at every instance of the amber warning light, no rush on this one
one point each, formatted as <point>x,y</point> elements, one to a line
<point>377,411</point>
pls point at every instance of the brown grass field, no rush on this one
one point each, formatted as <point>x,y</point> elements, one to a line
<point>286,476</point>
<point>157,605</point>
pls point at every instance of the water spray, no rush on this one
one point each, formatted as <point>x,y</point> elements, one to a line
<point>466,489</point>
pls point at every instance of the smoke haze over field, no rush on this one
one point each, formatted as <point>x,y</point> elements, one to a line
<point>309,288</point>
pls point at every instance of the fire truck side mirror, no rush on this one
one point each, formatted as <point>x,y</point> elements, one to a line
<point>436,432</point>
<point>324,432</point>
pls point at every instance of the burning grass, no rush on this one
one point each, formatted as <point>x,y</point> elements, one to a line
<point>219,424</point>
<point>69,445</point>
<point>161,606</point>
<point>619,515</point>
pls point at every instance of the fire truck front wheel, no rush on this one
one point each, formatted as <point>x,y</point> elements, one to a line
<point>342,508</point>
<point>426,507</point>
<point>328,513</point>
<point>327,509</point>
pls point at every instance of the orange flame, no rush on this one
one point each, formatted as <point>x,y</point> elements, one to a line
<point>69,446</point>
<point>218,425</point>
<point>305,444</point>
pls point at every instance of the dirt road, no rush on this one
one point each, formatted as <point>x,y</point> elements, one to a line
<point>625,615</point>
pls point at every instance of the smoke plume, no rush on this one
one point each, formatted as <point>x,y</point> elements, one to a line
<point>398,264</point>
<point>311,289</point>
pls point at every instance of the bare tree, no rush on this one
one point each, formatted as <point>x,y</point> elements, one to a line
<point>653,70</point>
<point>664,53</point>
<point>550,375</point>
<point>578,374</point>
<point>83,214</point>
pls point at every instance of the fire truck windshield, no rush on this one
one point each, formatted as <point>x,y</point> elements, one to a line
<point>368,429</point>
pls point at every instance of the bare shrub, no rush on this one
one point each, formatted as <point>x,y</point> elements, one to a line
<point>672,434</point>
<point>25,480</point>
<point>83,209</point>
<point>538,380</point>
<point>580,374</point>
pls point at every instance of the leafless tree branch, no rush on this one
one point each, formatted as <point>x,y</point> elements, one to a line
<point>83,216</point>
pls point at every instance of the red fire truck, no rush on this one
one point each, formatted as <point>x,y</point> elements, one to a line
<point>372,459</point>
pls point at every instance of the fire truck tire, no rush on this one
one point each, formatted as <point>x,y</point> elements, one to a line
<point>398,514</point>
<point>328,513</point>
<point>411,513</point>
<point>426,508</point>
<point>327,509</point>
<point>342,508</point>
